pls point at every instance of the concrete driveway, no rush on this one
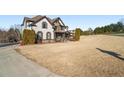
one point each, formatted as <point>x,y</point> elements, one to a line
<point>12,64</point>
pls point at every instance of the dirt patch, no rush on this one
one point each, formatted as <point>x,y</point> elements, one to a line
<point>97,55</point>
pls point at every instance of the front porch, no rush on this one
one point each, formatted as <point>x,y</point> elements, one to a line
<point>61,36</point>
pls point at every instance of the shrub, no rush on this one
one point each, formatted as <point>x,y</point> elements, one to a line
<point>77,34</point>
<point>28,37</point>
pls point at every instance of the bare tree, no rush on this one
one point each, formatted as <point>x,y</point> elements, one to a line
<point>11,35</point>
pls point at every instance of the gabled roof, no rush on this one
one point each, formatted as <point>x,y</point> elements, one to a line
<point>37,18</point>
<point>58,18</point>
<point>40,18</point>
<point>55,19</point>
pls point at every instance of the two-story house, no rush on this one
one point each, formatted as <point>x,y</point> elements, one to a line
<point>46,28</point>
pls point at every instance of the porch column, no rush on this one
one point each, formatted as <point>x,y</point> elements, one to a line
<point>63,36</point>
<point>54,36</point>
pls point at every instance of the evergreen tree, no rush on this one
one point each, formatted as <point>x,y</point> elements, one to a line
<point>77,34</point>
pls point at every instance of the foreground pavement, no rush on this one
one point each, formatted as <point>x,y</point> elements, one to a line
<point>13,64</point>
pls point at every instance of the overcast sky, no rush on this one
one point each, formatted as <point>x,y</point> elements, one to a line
<point>73,21</point>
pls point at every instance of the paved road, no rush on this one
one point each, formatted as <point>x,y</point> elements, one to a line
<point>7,44</point>
<point>12,64</point>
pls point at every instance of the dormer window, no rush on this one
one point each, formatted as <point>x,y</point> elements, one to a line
<point>44,25</point>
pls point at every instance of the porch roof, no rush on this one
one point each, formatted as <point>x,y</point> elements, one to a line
<point>60,31</point>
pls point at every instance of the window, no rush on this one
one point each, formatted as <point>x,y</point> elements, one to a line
<point>44,25</point>
<point>62,28</point>
<point>48,35</point>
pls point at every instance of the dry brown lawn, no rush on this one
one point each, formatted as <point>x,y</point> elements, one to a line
<point>95,55</point>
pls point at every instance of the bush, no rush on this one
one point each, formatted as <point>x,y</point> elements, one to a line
<point>77,34</point>
<point>28,37</point>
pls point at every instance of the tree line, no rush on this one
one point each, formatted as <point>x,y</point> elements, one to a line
<point>112,28</point>
<point>107,29</point>
<point>10,35</point>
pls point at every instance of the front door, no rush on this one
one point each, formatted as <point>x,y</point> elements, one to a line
<point>39,37</point>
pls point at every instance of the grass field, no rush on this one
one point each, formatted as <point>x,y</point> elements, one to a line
<point>117,34</point>
<point>96,55</point>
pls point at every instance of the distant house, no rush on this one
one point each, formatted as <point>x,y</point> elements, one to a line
<point>46,29</point>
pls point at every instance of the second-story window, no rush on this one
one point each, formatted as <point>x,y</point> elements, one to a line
<point>44,25</point>
<point>62,28</point>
